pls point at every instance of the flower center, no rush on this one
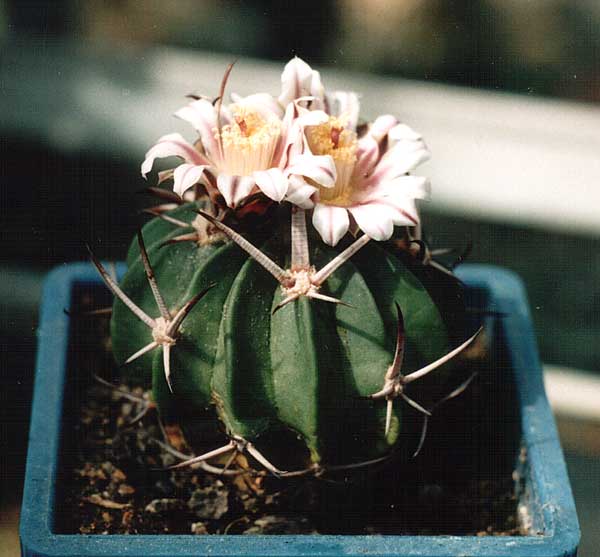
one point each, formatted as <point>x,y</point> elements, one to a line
<point>248,142</point>
<point>333,138</point>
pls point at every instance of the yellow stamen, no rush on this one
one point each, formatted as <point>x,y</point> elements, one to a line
<point>332,138</point>
<point>249,142</point>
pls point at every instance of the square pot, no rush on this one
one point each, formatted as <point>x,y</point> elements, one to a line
<point>546,506</point>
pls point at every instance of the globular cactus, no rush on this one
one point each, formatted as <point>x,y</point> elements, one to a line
<point>285,343</point>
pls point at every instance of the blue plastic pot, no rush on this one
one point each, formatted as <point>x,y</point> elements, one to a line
<point>546,501</point>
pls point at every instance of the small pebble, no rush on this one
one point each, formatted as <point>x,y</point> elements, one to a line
<point>272,524</point>
<point>127,518</point>
<point>199,528</point>
<point>165,488</point>
<point>118,476</point>
<point>210,502</point>
<point>125,489</point>
<point>163,505</point>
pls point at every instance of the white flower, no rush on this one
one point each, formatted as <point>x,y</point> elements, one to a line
<point>245,145</point>
<point>302,147</point>
<point>237,150</point>
<point>300,81</point>
<point>372,182</point>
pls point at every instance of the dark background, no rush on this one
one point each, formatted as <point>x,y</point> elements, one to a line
<point>58,192</point>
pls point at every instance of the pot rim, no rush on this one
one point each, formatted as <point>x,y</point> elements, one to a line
<point>552,507</point>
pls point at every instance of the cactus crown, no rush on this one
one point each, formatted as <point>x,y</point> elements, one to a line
<point>297,343</point>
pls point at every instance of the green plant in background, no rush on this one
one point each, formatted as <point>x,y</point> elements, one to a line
<point>242,319</point>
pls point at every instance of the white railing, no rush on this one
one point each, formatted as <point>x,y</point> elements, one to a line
<point>496,156</point>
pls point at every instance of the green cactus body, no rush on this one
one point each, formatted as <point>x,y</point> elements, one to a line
<point>296,375</point>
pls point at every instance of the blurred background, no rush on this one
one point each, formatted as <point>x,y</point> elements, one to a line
<point>506,93</point>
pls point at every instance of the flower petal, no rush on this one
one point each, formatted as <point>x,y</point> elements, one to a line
<point>316,89</point>
<point>311,117</point>
<point>272,183</point>
<point>331,222</point>
<point>367,156</point>
<point>234,188</point>
<point>375,220</point>
<point>402,132</point>
<point>266,105</point>
<point>172,145</point>
<point>345,104</point>
<point>291,141</point>
<point>402,210</point>
<point>165,175</point>
<point>203,116</point>
<point>414,187</point>
<point>185,176</point>
<point>319,168</point>
<point>300,193</point>
<point>399,196</point>
<point>299,80</point>
<point>403,157</point>
<point>382,125</point>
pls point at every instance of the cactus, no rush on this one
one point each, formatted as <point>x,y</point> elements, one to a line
<point>283,338</point>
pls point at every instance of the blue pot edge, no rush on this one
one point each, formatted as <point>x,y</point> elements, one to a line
<point>507,295</point>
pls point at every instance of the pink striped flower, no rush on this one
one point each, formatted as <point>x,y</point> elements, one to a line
<point>372,188</point>
<point>301,84</point>
<point>243,147</point>
<point>238,150</point>
<point>372,183</point>
<point>302,147</point>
